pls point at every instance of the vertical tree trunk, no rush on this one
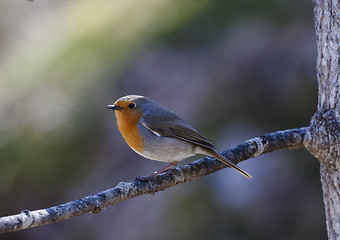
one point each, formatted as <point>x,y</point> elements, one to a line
<point>323,135</point>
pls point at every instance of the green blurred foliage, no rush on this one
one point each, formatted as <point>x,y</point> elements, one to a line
<point>61,63</point>
<point>216,16</point>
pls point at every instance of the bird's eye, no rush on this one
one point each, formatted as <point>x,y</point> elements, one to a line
<point>132,105</point>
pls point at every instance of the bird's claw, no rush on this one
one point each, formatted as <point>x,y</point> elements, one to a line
<point>146,179</point>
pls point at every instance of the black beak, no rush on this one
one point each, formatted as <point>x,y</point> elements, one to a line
<point>114,107</point>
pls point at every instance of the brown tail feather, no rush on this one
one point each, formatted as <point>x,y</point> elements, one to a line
<point>229,163</point>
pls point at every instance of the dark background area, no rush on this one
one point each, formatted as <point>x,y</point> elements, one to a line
<point>234,69</point>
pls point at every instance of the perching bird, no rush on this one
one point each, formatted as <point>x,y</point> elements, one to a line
<point>157,133</point>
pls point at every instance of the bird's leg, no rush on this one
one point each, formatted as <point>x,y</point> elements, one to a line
<point>148,178</point>
<point>172,164</point>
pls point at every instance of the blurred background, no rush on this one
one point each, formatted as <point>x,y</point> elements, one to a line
<point>234,69</point>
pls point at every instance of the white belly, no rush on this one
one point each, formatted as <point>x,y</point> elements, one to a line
<point>167,150</point>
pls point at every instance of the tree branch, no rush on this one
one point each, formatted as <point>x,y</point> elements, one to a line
<point>324,135</point>
<point>288,139</point>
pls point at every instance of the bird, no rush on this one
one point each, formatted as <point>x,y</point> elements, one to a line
<point>157,133</point>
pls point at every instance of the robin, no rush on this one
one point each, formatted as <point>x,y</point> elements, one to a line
<point>157,133</point>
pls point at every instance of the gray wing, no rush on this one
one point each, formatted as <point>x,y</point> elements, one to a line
<point>174,127</point>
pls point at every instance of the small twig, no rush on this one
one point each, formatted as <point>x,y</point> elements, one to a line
<point>288,139</point>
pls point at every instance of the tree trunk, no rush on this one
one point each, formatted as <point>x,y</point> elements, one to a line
<point>323,135</point>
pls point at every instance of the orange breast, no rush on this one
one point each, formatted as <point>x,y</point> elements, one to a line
<point>127,124</point>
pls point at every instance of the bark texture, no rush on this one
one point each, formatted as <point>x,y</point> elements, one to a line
<point>323,135</point>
